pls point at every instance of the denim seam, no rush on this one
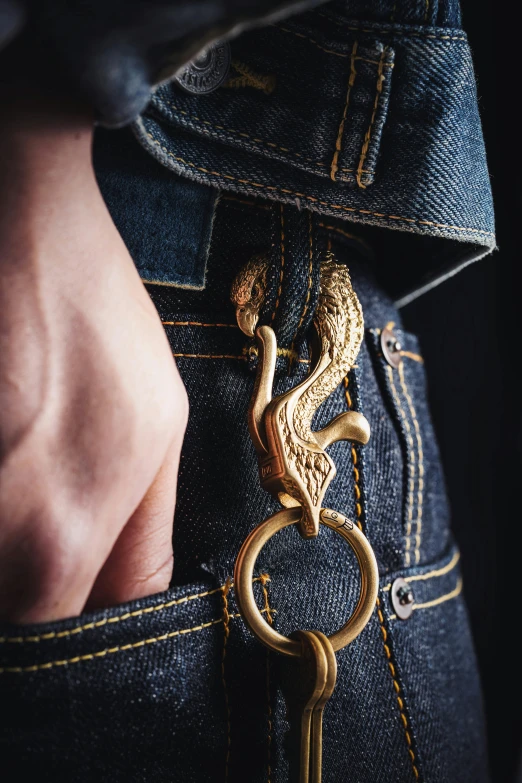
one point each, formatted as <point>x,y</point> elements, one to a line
<point>403,34</point>
<point>312,198</point>
<point>226,633</point>
<point>411,466</point>
<point>398,691</point>
<point>112,650</point>
<point>368,134</point>
<point>236,200</point>
<point>375,32</point>
<point>310,271</point>
<point>430,574</point>
<point>198,323</point>
<point>345,234</point>
<point>339,140</point>
<point>282,271</point>
<point>118,618</point>
<point>420,463</point>
<point>442,599</point>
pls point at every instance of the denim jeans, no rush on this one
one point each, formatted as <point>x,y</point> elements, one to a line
<point>350,155</point>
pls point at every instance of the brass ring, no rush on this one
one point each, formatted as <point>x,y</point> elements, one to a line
<point>244,573</point>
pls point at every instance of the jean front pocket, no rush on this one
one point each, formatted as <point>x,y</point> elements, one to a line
<point>139,692</point>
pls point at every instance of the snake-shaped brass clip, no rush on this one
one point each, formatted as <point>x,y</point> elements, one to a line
<point>293,464</point>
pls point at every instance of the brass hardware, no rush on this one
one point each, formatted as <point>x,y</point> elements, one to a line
<point>391,347</point>
<point>244,572</point>
<point>293,464</point>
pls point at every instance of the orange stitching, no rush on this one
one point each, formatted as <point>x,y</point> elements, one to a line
<point>393,32</point>
<point>264,579</point>
<point>338,141</point>
<point>420,453</point>
<point>437,601</point>
<point>197,323</point>
<point>102,653</point>
<point>397,689</point>
<point>282,264</point>
<point>411,478</point>
<point>345,234</point>
<point>310,270</point>
<point>431,574</point>
<point>414,356</point>
<point>310,198</point>
<point>427,11</point>
<point>356,474</point>
<point>227,197</point>
<point>249,78</point>
<point>368,135</point>
<point>117,619</point>
<point>226,632</point>
<point>248,136</point>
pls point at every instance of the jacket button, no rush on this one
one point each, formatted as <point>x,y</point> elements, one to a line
<point>391,348</point>
<point>207,71</point>
<point>402,598</point>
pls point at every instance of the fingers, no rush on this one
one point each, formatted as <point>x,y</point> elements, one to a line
<point>141,560</point>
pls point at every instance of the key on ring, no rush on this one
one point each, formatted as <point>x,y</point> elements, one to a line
<point>302,691</point>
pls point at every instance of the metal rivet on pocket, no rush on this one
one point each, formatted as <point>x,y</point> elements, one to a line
<point>207,71</point>
<point>402,598</point>
<point>391,348</point>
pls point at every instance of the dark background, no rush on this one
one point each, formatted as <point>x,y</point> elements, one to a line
<point>471,337</point>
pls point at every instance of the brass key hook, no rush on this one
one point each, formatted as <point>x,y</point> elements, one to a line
<point>293,463</point>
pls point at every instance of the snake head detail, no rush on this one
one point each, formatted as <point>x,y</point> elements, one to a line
<point>248,294</point>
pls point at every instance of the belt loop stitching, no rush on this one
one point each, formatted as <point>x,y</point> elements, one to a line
<point>338,143</point>
<point>281,274</point>
<point>310,271</point>
<point>367,138</point>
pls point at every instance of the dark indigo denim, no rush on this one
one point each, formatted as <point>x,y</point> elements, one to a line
<point>174,687</point>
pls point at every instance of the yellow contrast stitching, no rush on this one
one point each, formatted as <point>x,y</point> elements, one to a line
<point>110,651</point>
<point>436,601</point>
<point>264,579</point>
<point>226,633</point>
<point>420,453</point>
<point>281,274</point>
<point>411,478</point>
<point>249,78</point>
<point>368,135</point>
<point>408,34</point>
<point>356,474</point>
<point>345,234</point>
<point>312,199</point>
<point>338,142</point>
<point>310,270</point>
<point>431,574</point>
<point>427,10</point>
<point>397,687</point>
<point>117,619</point>
<point>197,323</point>
<point>415,356</point>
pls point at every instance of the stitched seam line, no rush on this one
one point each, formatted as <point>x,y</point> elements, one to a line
<point>234,199</point>
<point>427,10</point>
<point>339,140</point>
<point>265,83</point>
<point>226,632</point>
<point>197,323</point>
<point>437,601</point>
<point>264,579</point>
<point>312,199</point>
<point>409,34</point>
<point>345,234</point>
<point>431,574</point>
<point>110,651</point>
<point>310,270</point>
<point>420,463</point>
<point>282,272</point>
<point>368,135</point>
<point>117,619</point>
<point>356,474</point>
<point>415,356</point>
<point>398,692</point>
<point>411,467</point>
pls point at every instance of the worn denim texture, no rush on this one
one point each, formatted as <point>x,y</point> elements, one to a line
<point>174,686</point>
